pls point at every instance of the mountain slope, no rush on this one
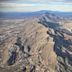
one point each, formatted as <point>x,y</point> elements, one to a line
<point>36,44</point>
<point>62,36</point>
<point>25,45</point>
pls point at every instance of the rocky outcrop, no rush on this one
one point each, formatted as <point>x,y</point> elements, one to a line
<point>62,44</point>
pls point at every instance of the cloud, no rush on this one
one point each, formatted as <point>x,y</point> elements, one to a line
<point>46,0</point>
<point>31,0</point>
<point>17,7</point>
<point>35,5</point>
<point>7,0</point>
<point>36,1</point>
<point>68,0</point>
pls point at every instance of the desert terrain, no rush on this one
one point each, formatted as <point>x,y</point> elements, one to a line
<point>36,44</point>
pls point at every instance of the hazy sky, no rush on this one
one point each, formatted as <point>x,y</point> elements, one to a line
<point>35,5</point>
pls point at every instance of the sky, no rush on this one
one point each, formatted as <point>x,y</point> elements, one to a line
<point>35,5</point>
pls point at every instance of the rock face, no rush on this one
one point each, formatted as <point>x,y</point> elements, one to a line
<point>35,45</point>
<point>26,47</point>
<point>62,38</point>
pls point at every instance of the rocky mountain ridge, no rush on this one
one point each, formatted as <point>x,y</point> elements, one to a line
<point>37,44</point>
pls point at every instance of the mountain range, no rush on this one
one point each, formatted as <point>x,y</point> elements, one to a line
<point>36,41</point>
<point>30,14</point>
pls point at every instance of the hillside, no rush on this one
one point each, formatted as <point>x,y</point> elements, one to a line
<point>37,44</point>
